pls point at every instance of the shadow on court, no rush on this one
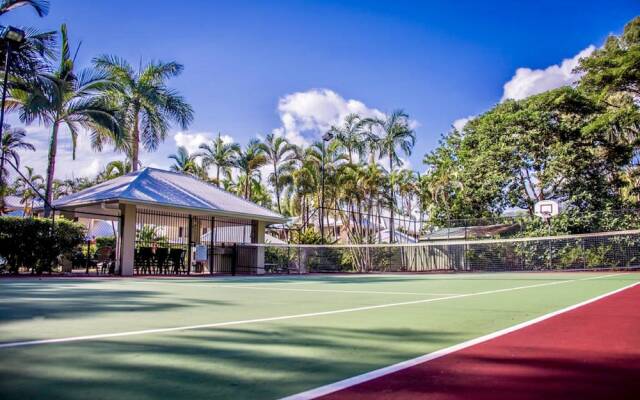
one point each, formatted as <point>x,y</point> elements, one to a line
<point>55,300</point>
<point>204,364</point>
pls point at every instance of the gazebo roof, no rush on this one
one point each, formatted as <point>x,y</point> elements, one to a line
<point>156,187</point>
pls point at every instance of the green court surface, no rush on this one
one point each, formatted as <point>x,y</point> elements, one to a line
<point>252,338</point>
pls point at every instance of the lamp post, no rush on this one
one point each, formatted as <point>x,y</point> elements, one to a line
<point>11,37</point>
<point>325,138</point>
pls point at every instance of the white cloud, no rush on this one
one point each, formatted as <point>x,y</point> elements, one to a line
<point>227,139</point>
<point>305,116</point>
<point>461,122</point>
<point>87,161</point>
<point>527,81</point>
<point>191,141</point>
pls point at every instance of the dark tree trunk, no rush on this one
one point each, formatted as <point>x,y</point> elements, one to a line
<point>51,166</point>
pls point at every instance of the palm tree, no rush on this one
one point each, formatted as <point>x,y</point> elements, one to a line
<point>114,169</point>
<point>305,184</point>
<point>29,189</point>
<point>396,133</point>
<point>66,98</point>
<point>70,186</point>
<point>222,155</point>
<point>282,157</point>
<point>147,107</point>
<point>28,57</point>
<point>249,162</point>
<point>183,161</point>
<point>373,181</point>
<point>351,135</point>
<point>41,7</point>
<point>11,141</point>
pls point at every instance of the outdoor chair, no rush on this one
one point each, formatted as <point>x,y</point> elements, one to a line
<point>177,260</point>
<point>104,259</point>
<point>146,258</point>
<point>78,260</point>
<point>162,256</point>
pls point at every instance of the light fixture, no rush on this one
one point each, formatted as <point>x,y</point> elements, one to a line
<point>12,34</point>
<point>327,136</point>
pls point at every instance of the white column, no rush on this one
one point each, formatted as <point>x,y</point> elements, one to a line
<point>260,228</point>
<point>127,238</point>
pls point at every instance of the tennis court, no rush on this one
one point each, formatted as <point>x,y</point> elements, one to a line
<point>260,337</point>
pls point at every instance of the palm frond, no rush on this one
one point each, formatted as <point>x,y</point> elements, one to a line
<point>41,7</point>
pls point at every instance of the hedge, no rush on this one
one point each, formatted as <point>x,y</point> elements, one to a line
<point>33,244</point>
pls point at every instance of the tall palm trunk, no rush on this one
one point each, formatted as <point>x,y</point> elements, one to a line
<point>51,166</point>
<point>276,186</point>
<point>218,175</point>
<point>135,140</point>
<point>393,201</point>
<point>335,217</point>
<point>246,186</point>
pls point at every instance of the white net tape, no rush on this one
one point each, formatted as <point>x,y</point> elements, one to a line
<point>593,251</point>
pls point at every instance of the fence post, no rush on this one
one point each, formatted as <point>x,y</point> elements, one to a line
<point>87,258</point>
<point>235,259</point>
<point>211,244</point>
<point>189,246</point>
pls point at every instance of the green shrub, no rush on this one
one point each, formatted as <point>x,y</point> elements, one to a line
<point>307,236</point>
<point>33,244</point>
<point>107,241</point>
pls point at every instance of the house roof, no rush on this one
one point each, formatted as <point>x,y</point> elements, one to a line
<point>471,232</point>
<point>156,187</point>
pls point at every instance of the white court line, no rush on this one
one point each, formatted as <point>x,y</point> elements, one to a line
<point>230,286</point>
<point>356,380</point>
<point>280,318</point>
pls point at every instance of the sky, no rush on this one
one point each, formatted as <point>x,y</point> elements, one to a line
<point>295,68</point>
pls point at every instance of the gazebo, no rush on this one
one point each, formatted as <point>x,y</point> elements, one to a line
<point>174,222</point>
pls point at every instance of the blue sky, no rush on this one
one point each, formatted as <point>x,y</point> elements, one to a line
<point>252,67</point>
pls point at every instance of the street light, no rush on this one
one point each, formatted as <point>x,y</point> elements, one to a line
<point>13,34</point>
<point>325,138</point>
<point>12,37</point>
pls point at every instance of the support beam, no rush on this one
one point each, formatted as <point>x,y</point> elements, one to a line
<point>259,228</point>
<point>127,239</point>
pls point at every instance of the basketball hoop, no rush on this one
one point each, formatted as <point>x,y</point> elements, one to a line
<point>546,209</point>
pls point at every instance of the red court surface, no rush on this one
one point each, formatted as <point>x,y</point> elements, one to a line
<point>591,352</point>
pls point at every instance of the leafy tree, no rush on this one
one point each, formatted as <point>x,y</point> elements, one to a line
<point>146,105</point>
<point>614,68</point>
<point>612,77</point>
<point>64,97</point>
<point>524,151</point>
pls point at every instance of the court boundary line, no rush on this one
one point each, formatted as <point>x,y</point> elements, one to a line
<point>249,287</point>
<point>279,318</point>
<point>381,372</point>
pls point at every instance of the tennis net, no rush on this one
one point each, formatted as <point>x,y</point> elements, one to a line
<point>594,251</point>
